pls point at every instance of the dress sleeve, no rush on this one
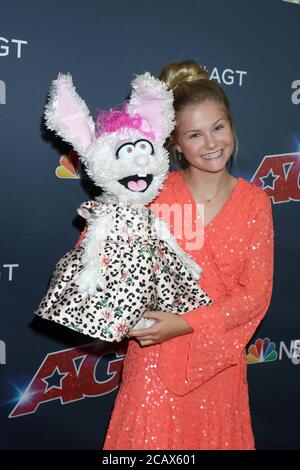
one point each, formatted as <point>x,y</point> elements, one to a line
<point>222,330</point>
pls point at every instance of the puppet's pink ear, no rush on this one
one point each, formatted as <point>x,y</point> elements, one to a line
<point>152,100</point>
<point>68,115</point>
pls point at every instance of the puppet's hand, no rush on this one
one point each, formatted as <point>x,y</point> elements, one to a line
<point>89,280</point>
<point>167,326</point>
<point>143,323</point>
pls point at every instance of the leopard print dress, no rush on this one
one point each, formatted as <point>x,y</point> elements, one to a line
<point>141,273</point>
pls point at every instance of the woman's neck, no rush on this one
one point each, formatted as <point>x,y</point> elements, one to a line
<point>210,189</point>
<point>208,183</point>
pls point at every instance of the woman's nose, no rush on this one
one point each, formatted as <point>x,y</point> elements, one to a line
<point>210,141</point>
<point>141,160</point>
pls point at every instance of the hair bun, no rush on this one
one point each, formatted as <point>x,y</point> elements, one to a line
<point>176,74</point>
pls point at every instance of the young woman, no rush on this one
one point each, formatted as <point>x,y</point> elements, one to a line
<point>184,381</point>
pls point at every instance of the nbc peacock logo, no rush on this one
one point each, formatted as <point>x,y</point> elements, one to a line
<point>69,167</point>
<point>293,1</point>
<point>263,350</point>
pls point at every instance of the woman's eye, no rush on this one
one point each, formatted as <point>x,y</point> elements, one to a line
<point>219,127</point>
<point>144,147</point>
<point>196,134</point>
<point>125,150</point>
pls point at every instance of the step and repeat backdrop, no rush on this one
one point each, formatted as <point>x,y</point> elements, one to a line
<point>57,387</point>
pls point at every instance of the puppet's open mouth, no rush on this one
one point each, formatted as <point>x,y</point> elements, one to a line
<point>136,183</point>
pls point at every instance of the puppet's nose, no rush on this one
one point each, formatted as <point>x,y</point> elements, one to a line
<point>141,160</point>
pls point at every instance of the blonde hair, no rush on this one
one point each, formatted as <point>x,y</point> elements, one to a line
<point>190,85</point>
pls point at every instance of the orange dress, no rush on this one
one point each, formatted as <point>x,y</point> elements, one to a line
<point>191,392</point>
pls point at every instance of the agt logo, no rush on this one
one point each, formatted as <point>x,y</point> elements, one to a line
<point>278,175</point>
<point>11,46</point>
<point>2,352</point>
<point>71,375</point>
<point>2,92</point>
<point>264,350</point>
<point>227,76</point>
<point>70,166</point>
<point>8,273</point>
<point>295,96</point>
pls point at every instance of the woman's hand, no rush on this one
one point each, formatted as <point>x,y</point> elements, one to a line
<point>168,326</point>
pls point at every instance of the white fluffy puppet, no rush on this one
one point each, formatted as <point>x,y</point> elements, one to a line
<point>128,261</point>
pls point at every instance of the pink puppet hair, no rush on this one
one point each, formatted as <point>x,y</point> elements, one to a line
<point>118,118</point>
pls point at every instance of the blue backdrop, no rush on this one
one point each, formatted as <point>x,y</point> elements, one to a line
<point>57,387</point>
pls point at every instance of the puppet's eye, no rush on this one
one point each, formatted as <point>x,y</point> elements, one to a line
<point>125,150</point>
<point>144,146</point>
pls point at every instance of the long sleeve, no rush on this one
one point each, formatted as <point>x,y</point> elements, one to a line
<point>253,291</point>
<point>222,330</point>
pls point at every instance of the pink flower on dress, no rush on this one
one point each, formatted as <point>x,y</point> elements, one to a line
<point>156,267</point>
<point>124,276</point>
<point>105,261</point>
<point>121,328</point>
<point>107,314</point>
<point>160,252</point>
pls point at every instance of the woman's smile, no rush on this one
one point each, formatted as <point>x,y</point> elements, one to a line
<point>210,156</point>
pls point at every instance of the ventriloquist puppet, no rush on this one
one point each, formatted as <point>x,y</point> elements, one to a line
<point>128,262</point>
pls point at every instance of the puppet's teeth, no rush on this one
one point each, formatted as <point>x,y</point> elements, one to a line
<point>142,175</point>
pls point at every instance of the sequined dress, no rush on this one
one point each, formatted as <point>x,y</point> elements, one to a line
<point>191,392</point>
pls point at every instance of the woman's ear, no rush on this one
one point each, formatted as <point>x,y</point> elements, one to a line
<point>175,144</point>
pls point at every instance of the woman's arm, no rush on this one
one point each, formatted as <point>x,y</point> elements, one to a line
<point>221,331</point>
